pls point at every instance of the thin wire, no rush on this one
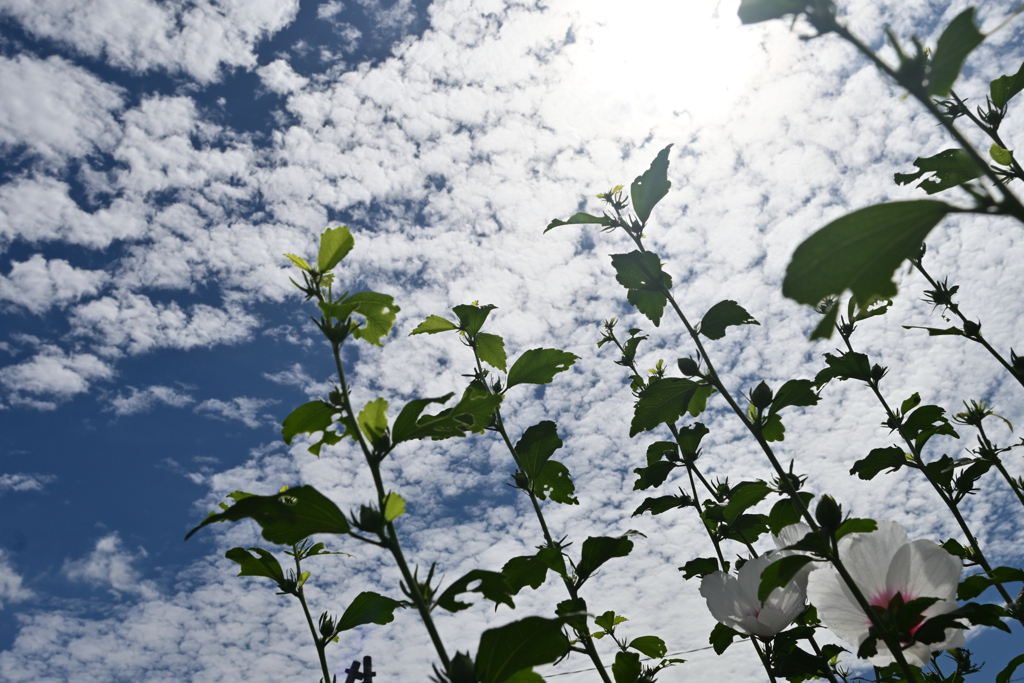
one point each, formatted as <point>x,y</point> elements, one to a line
<point>594,668</point>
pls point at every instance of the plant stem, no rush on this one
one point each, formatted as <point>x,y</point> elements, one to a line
<point>992,455</point>
<point>764,659</point>
<point>320,647</point>
<point>584,636</point>
<point>955,308</point>
<point>915,453</point>
<point>991,132</point>
<point>391,538</point>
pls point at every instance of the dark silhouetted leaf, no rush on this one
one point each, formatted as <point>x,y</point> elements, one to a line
<point>520,645</point>
<point>845,366</point>
<point>795,392</point>
<point>785,512</point>
<point>699,401</point>
<point>580,219</point>
<point>574,612</point>
<point>491,585</point>
<point>555,482</point>
<point>1008,671</point>
<point>891,458</point>
<point>491,348</point>
<point>973,586</point>
<point>651,646</point>
<point>664,401</point>
<point>599,549</point>
<point>262,564</point>
<point>860,252</point>
<point>949,168</point>
<point>286,518</point>
<point>309,418</point>
<point>722,637</point>
<point>936,332</point>
<point>722,315</point>
<point>651,187</point>
<point>1005,87</point>
<point>406,424</point>
<point>369,608</point>
<point>855,525</point>
<point>537,444</point>
<point>955,43</point>
<point>699,567</point>
<point>641,274</point>
<point>472,413</point>
<point>779,573</point>
<point>531,570</point>
<point>656,506</point>
<point>539,366</point>
<point>653,475</point>
<point>745,495</point>
<point>626,667</point>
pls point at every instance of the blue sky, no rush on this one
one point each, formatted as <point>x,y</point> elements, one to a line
<point>158,158</point>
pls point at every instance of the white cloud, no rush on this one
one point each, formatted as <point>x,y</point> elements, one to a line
<point>142,401</point>
<point>109,565</point>
<point>279,77</point>
<point>11,588</point>
<point>56,109</point>
<point>38,284</point>
<point>328,10</point>
<point>24,482</point>
<point>244,409</point>
<point>296,376</point>
<point>52,373</point>
<point>197,38</point>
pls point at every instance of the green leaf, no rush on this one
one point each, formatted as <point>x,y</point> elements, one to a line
<point>860,252</point>
<point>520,645</point>
<point>335,243</point>
<point>937,332</point>
<point>1000,155</point>
<point>850,365</point>
<point>651,187</point>
<point>891,458</point>
<point>580,219</point>
<point>532,570</point>
<point>773,429</point>
<point>1005,87</point>
<point>973,586</point>
<point>785,512</point>
<point>824,329</point>
<point>1004,675</point>
<point>656,506</point>
<point>472,413</point>
<point>795,392</point>
<point>491,349</point>
<point>525,676</point>
<point>609,620</point>
<point>555,482</point>
<point>699,567</point>
<point>491,585</point>
<point>379,311</point>
<point>434,324</point>
<point>756,11</point>
<point>651,646</point>
<point>599,549</point>
<point>690,437</point>
<point>539,366</point>
<point>724,314</point>
<point>926,422</point>
<point>369,608</point>
<point>406,425</point>
<point>471,318</point>
<point>653,475</point>
<point>745,495</point>
<point>645,282</point>
<point>394,507</point>
<point>537,444</point>
<point>574,612</point>
<point>955,43</point>
<point>373,419</point>
<point>665,400</point>
<point>779,573</point>
<point>949,168</point>
<point>309,418</point>
<point>265,564</point>
<point>747,528</point>
<point>299,261</point>
<point>626,667</point>
<point>699,402</point>
<point>910,403</point>
<point>287,517</point>
<point>855,525</point>
<point>722,636</point>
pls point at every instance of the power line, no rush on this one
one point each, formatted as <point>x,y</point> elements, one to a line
<point>594,668</point>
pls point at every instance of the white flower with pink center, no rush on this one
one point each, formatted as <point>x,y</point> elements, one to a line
<point>884,563</point>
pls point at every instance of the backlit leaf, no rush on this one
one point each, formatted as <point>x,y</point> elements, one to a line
<point>651,187</point>
<point>555,482</point>
<point>580,219</point>
<point>664,401</point>
<point>641,274</point>
<point>373,419</point>
<point>369,608</point>
<point>599,549</point>
<point>491,585</point>
<point>724,314</point>
<point>1005,87</point>
<point>434,324</point>
<point>471,318</point>
<point>955,43</point>
<point>779,573</point>
<point>335,243</point>
<point>491,349</point>
<point>262,564</point>
<point>523,644</point>
<point>861,251</point>
<point>948,169</point>
<point>539,366</point>
<point>537,444</point>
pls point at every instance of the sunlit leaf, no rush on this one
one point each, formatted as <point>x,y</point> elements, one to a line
<point>434,324</point>
<point>335,243</point>
<point>491,348</point>
<point>299,261</point>
<point>472,318</point>
<point>373,419</point>
<point>1000,155</point>
<point>394,507</point>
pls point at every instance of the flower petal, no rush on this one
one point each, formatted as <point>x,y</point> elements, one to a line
<point>721,591</point>
<point>867,557</point>
<point>837,608</point>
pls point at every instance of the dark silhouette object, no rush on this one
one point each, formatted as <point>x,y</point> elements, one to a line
<point>365,675</point>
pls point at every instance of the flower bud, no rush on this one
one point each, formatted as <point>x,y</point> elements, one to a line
<point>878,372</point>
<point>761,396</point>
<point>829,513</point>
<point>688,366</point>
